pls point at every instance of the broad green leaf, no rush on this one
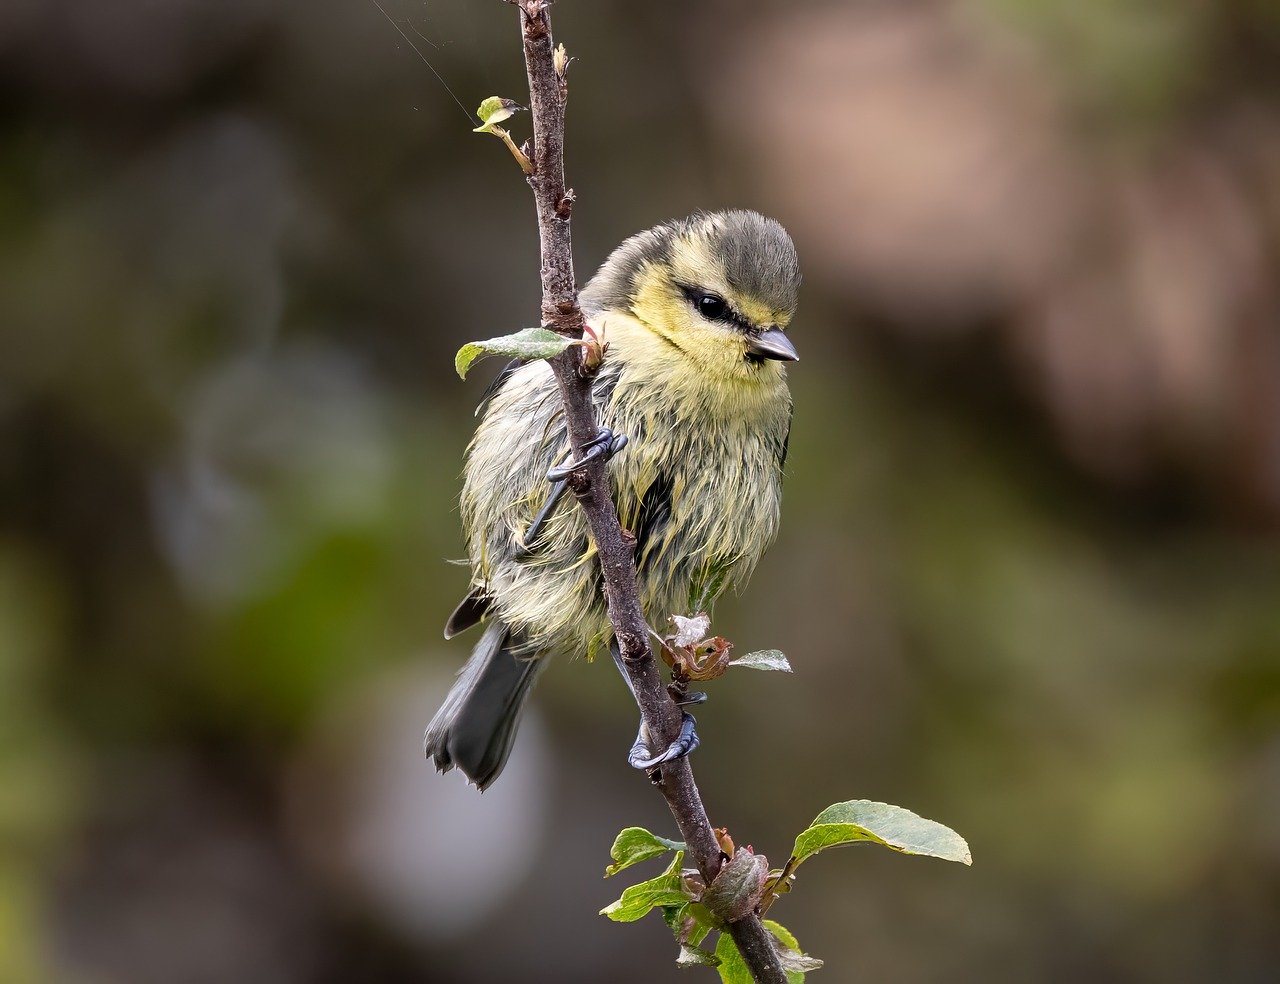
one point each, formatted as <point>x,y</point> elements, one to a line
<point>635,844</point>
<point>880,823</point>
<point>695,956</point>
<point>636,901</point>
<point>738,886</point>
<point>765,659</point>
<point>495,109</point>
<point>795,962</point>
<point>528,343</point>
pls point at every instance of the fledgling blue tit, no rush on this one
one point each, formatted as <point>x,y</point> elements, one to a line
<point>694,312</point>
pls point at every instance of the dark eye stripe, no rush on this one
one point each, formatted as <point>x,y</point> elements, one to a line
<point>714,307</point>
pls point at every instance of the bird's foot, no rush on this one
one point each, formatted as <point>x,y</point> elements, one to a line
<point>604,445</point>
<point>642,757</point>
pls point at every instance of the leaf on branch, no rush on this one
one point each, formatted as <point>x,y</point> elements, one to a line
<point>695,956</point>
<point>528,343</point>
<point>493,111</point>
<point>496,109</point>
<point>685,925</point>
<point>795,964</point>
<point>738,886</point>
<point>765,659</point>
<point>639,899</point>
<point>560,60</point>
<point>794,961</point>
<point>635,844</point>
<point>880,823</point>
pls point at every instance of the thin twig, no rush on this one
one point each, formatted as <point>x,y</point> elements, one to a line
<point>548,93</point>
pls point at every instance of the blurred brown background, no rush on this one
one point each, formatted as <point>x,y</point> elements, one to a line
<point>1029,573</point>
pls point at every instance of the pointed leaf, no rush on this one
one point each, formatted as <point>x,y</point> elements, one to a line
<point>495,109</point>
<point>765,659</point>
<point>880,823</point>
<point>695,956</point>
<point>733,969</point>
<point>635,844</point>
<point>529,343</point>
<point>636,901</point>
<point>794,961</point>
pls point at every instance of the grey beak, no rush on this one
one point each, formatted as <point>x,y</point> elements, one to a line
<point>772,344</point>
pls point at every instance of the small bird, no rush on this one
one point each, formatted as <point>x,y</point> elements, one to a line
<point>692,383</point>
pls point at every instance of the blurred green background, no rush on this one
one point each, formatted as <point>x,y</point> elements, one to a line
<point>1028,575</point>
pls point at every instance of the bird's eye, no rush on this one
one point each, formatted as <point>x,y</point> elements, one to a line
<point>711,307</point>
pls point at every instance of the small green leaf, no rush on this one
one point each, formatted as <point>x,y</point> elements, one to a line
<point>636,901</point>
<point>733,969</point>
<point>528,343</point>
<point>795,962</point>
<point>635,844</point>
<point>495,109</point>
<point>684,925</point>
<point>880,823</point>
<point>695,956</point>
<point>705,917</point>
<point>765,659</point>
<point>738,886</point>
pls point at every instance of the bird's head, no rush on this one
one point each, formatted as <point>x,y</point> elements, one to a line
<point>719,287</point>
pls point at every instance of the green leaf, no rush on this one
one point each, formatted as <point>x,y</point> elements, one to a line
<point>795,962</point>
<point>635,844</point>
<point>528,343</point>
<point>684,923</point>
<point>637,900</point>
<point>495,109</point>
<point>765,659</point>
<point>733,969</point>
<point>880,823</point>
<point>695,956</point>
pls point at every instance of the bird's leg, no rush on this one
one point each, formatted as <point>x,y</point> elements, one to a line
<point>605,444</point>
<point>641,755</point>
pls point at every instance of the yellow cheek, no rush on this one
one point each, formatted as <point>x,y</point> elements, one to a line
<point>664,308</point>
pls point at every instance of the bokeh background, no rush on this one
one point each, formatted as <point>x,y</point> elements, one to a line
<point>1029,569</point>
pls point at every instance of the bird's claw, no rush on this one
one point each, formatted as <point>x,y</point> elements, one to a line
<point>604,445</point>
<point>641,757</point>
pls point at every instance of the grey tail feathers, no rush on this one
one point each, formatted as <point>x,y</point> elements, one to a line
<point>476,725</point>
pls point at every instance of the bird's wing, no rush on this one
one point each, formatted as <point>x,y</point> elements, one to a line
<point>655,510</point>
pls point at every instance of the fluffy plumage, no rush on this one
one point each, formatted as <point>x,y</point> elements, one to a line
<point>699,484</point>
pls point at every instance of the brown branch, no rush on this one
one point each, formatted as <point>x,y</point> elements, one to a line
<point>548,93</point>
